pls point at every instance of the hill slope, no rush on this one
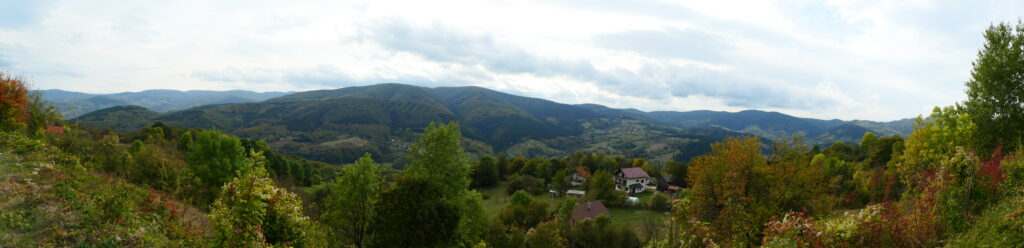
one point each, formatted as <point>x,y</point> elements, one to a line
<point>73,104</point>
<point>339,125</point>
<point>774,125</point>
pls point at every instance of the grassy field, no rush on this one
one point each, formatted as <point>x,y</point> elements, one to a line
<point>635,217</point>
<point>495,199</point>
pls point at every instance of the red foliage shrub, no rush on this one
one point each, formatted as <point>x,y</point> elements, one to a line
<point>13,99</point>
<point>990,172</point>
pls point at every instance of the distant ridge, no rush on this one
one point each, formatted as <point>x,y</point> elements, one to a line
<point>73,104</point>
<point>339,125</point>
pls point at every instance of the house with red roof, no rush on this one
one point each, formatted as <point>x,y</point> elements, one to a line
<point>578,176</point>
<point>631,180</point>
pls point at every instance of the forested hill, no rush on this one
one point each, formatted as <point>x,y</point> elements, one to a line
<point>339,125</point>
<point>776,125</point>
<point>73,104</point>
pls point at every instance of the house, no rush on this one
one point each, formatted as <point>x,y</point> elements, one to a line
<point>665,184</point>
<point>589,210</point>
<point>575,193</point>
<point>55,130</point>
<point>631,180</point>
<point>578,176</point>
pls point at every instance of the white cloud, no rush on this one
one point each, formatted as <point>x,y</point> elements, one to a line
<point>877,60</point>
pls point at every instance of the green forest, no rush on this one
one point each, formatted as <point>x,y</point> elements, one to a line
<point>956,181</point>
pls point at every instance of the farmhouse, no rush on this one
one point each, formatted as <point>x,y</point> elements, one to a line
<point>631,180</point>
<point>578,176</point>
<point>575,193</point>
<point>589,210</point>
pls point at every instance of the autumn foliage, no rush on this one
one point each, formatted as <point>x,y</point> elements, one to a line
<point>13,101</point>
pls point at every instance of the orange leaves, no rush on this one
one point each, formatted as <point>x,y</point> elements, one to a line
<point>13,99</point>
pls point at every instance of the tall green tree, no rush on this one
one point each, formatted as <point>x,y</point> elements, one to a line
<point>678,172</point>
<point>601,186</point>
<point>994,91</point>
<point>561,181</point>
<point>438,156</point>
<point>413,213</point>
<point>485,173</point>
<point>350,205</point>
<point>216,158</point>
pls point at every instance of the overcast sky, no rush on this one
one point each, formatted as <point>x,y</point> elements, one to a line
<point>873,60</point>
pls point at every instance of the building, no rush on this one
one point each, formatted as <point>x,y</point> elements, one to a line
<point>578,176</point>
<point>631,180</point>
<point>589,210</point>
<point>574,193</point>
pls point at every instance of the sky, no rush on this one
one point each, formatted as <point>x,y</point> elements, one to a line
<point>843,59</point>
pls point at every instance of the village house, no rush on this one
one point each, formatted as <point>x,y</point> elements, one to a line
<point>589,210</point>
<point>578,176</point>
<point>575,193</point>
<point>631,180</point>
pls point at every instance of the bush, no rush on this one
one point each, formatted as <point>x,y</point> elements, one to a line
<point>659,202</point>
<point>252,212</point>
<point>526,183</point>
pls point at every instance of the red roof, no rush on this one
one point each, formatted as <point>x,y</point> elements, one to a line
<point>55,130</point>
<point>581,171</point>
<point>634,173</point>
<point>589,210</point>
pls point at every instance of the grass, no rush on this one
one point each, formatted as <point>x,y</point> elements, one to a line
<point>47,199</point>
<point>495,199</point>
<point>645,197</point>
<point>636,217</point>
<point>1002,225</point>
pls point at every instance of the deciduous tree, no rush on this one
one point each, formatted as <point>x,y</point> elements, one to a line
<point>350,206</point>
<point>994,101</point>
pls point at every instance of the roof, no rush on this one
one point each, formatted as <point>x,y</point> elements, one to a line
<point>581,171</point>
<point>589,210</point>
<point>55,130</point>
<point>575,192</point>
<point>634,173</point>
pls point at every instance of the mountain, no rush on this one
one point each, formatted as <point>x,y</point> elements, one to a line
<point>73,104</point>
<point>127,117</point>
<point>774,125</point>
<point>340,125</point>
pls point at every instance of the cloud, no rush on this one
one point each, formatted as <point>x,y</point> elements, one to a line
<point>670,43</point>
<point>877,60</point>
<point>655,79</point>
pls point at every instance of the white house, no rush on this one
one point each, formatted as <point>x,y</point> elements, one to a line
<point>631,180</point>
<point>578,176</point>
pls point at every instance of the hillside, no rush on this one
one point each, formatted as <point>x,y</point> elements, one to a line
<point>774,125</point>
<point>50,199</point>
<point>128,117</point>
<point>73,104</point>
<point>337,126</point>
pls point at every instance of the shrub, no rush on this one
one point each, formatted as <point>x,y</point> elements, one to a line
<point>659,202</point>
<point>252,212</point>
<point>526,183</point>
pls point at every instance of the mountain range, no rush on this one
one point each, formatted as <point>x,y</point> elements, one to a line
<point>338,126</point>
<point>72,104</point>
